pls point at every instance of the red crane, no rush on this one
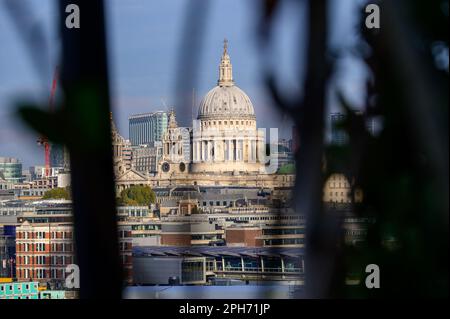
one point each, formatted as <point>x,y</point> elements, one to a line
<point>43,140</point>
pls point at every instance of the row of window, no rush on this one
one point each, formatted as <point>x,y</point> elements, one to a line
<point>210,123</point>
<point>339,185</point>
<point>263,218</point>
<point>125,246</point>
<point>44,260</point>
<point>55,247</point>
<point>341,193</point>
<point>44,235</point>
<point>41,273</point>
<point>283,241</point>
<point>124,234</point>
<point>9,288</point>
<point>292,231</point>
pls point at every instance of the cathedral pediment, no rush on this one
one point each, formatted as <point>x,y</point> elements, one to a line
<point>131,175</point>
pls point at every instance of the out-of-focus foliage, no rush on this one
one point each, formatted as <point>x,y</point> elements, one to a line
<point>405,186</point>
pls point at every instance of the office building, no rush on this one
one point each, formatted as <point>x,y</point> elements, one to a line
<point>11,169</point>
<point>147,128</point>
<point>338,135</point>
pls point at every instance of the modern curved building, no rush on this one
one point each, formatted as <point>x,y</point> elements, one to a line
<point>11,169</point>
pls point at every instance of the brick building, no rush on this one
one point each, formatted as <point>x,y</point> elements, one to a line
<point>244,236</point>
<point>43,251</point>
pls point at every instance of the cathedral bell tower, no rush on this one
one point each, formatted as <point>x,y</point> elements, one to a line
<point>174,159</point>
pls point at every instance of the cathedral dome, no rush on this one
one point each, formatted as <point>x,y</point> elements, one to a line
<point>226,100</point>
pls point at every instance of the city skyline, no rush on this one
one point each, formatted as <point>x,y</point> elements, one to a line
<point>143,82</point>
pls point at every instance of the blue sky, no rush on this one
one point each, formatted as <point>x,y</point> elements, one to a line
<point>144,42</point>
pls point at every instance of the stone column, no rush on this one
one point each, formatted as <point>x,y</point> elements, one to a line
<point>194,151</point>
<point>253,148</point>
<point>202,150</point>
<point>198,151</point>
<point>214,157</point>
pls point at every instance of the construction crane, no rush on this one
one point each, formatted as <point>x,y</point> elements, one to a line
<point>43,140</point>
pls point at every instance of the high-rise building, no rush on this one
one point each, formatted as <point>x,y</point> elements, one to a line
<point>338,135</point>
<point>147,128</point>
<point>56,155</point>
<point>11,169</point>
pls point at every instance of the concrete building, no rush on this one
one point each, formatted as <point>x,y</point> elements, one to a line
<point>191,233</point>
<point>266,235</point>
<point>11,169</point>
<point>38,171</point>
<point>5,184</point>
<point>147,128</point>
<point>64,179</point>
<point>338,189</point>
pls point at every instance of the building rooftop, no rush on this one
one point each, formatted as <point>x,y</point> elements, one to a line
<point>208,251</point>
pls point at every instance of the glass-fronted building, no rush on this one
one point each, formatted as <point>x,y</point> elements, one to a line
<point>11,169</point>
<point>147,128</point>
